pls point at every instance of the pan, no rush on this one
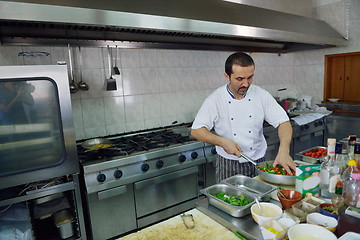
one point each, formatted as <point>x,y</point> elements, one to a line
<point>272,178</point>
<point>97,144</point>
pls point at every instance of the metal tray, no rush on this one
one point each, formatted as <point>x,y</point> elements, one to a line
<point>235,211</point>
<point>252,186</point>
<point>311,159</point>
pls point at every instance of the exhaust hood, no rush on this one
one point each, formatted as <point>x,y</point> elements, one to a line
<point>183,24</point>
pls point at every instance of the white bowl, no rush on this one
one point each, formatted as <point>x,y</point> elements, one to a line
<point>305,231</point>
<point>329,223</point>
<point>333,99</point>
<point>269,211</point>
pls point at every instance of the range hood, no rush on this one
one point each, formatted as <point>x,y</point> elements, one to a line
<point>189,24</point>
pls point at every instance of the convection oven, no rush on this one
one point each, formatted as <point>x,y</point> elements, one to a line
<point>38,159</point>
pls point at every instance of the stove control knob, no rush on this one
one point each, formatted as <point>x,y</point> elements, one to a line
<point>213,150</point>
<point>307,126</point>
<point>316,124</point>
<point>145,167</point>
<point>101,177</point>
<point>320,123</point>
<point>118,173</point>
<point>182,158</point>
<point>194,155</point>
<point>159,164</point>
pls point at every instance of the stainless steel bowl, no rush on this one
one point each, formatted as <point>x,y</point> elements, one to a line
<point>273,178</point>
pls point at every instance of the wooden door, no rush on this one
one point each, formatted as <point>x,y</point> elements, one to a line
<point>352,78</point>
<point>337,77</point>
<point>342,77</point>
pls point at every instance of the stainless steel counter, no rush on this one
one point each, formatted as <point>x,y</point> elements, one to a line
<point>340,126</point>
<point>246,225</point>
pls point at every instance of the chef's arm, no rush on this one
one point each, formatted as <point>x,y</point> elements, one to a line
<point>204,135</point>
<point>283,157</point>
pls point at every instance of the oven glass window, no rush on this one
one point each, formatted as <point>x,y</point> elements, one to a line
<point>30,125</point>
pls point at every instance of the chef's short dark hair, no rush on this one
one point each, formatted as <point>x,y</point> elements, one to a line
<point>238,58</point>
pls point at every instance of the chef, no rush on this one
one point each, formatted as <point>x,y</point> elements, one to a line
<point>236,112</point>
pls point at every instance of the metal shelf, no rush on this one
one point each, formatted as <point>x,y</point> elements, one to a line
<point>39,193</point>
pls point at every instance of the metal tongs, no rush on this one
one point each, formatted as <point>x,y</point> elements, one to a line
<point>188,220</point>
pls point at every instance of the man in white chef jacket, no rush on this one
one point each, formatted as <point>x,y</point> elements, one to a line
<point>236,112</point>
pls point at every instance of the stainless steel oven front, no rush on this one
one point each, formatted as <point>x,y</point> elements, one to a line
<point>126,193</point>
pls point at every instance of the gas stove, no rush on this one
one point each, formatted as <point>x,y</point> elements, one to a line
<point>126,145</point>
<point>137,156</point>
<point>146,176</point>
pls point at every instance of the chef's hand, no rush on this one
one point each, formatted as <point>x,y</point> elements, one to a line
<point>231,147</point>
<point>285,160</point>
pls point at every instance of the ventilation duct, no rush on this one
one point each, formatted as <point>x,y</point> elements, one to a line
<point>186,24</point>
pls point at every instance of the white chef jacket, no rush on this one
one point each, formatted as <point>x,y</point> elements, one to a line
<point>240,120</point>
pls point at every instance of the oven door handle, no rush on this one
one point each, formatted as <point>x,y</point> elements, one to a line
<point>111,192</point>
<point>166,177</point>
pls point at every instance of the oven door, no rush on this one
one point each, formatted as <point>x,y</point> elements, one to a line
<point>163,191</point>
<point>37,137</point>
<point>112,212</point>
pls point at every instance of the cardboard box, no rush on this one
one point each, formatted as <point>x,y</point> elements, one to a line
<point>308,180</point>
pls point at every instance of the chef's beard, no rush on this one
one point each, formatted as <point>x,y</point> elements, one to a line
<point>242,91</point>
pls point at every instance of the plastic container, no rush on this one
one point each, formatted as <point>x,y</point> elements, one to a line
<point>63,221</point>
<point>325,221</point>
<point>349,170</point>
<point>327,213</point>
<point>352,190</point>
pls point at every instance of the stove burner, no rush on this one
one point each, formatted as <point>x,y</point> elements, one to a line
<point>127,145</point>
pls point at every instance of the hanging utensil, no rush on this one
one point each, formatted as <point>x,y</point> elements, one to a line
<point>111,82</point>
<point>73,86</point>
<point>116,69</point>
<point>82,85</point>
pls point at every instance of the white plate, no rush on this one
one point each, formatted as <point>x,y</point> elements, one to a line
<point>333,99</point>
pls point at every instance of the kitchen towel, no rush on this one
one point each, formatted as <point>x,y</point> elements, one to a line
<point>309,117</point>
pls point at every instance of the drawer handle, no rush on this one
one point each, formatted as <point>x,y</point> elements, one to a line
<point>111,192</point>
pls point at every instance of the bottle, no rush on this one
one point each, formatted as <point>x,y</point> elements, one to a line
<point>329,171</point>
<point>351,146</point>
<point>341,154</point>
<point>349,170</point>
<point>337,197</point>
<point>351,189</point>
<point>357,154</point>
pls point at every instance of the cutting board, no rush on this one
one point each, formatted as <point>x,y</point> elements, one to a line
<point>174,228</point>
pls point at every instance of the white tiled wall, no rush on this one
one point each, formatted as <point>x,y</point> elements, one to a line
<point>157,87</point>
